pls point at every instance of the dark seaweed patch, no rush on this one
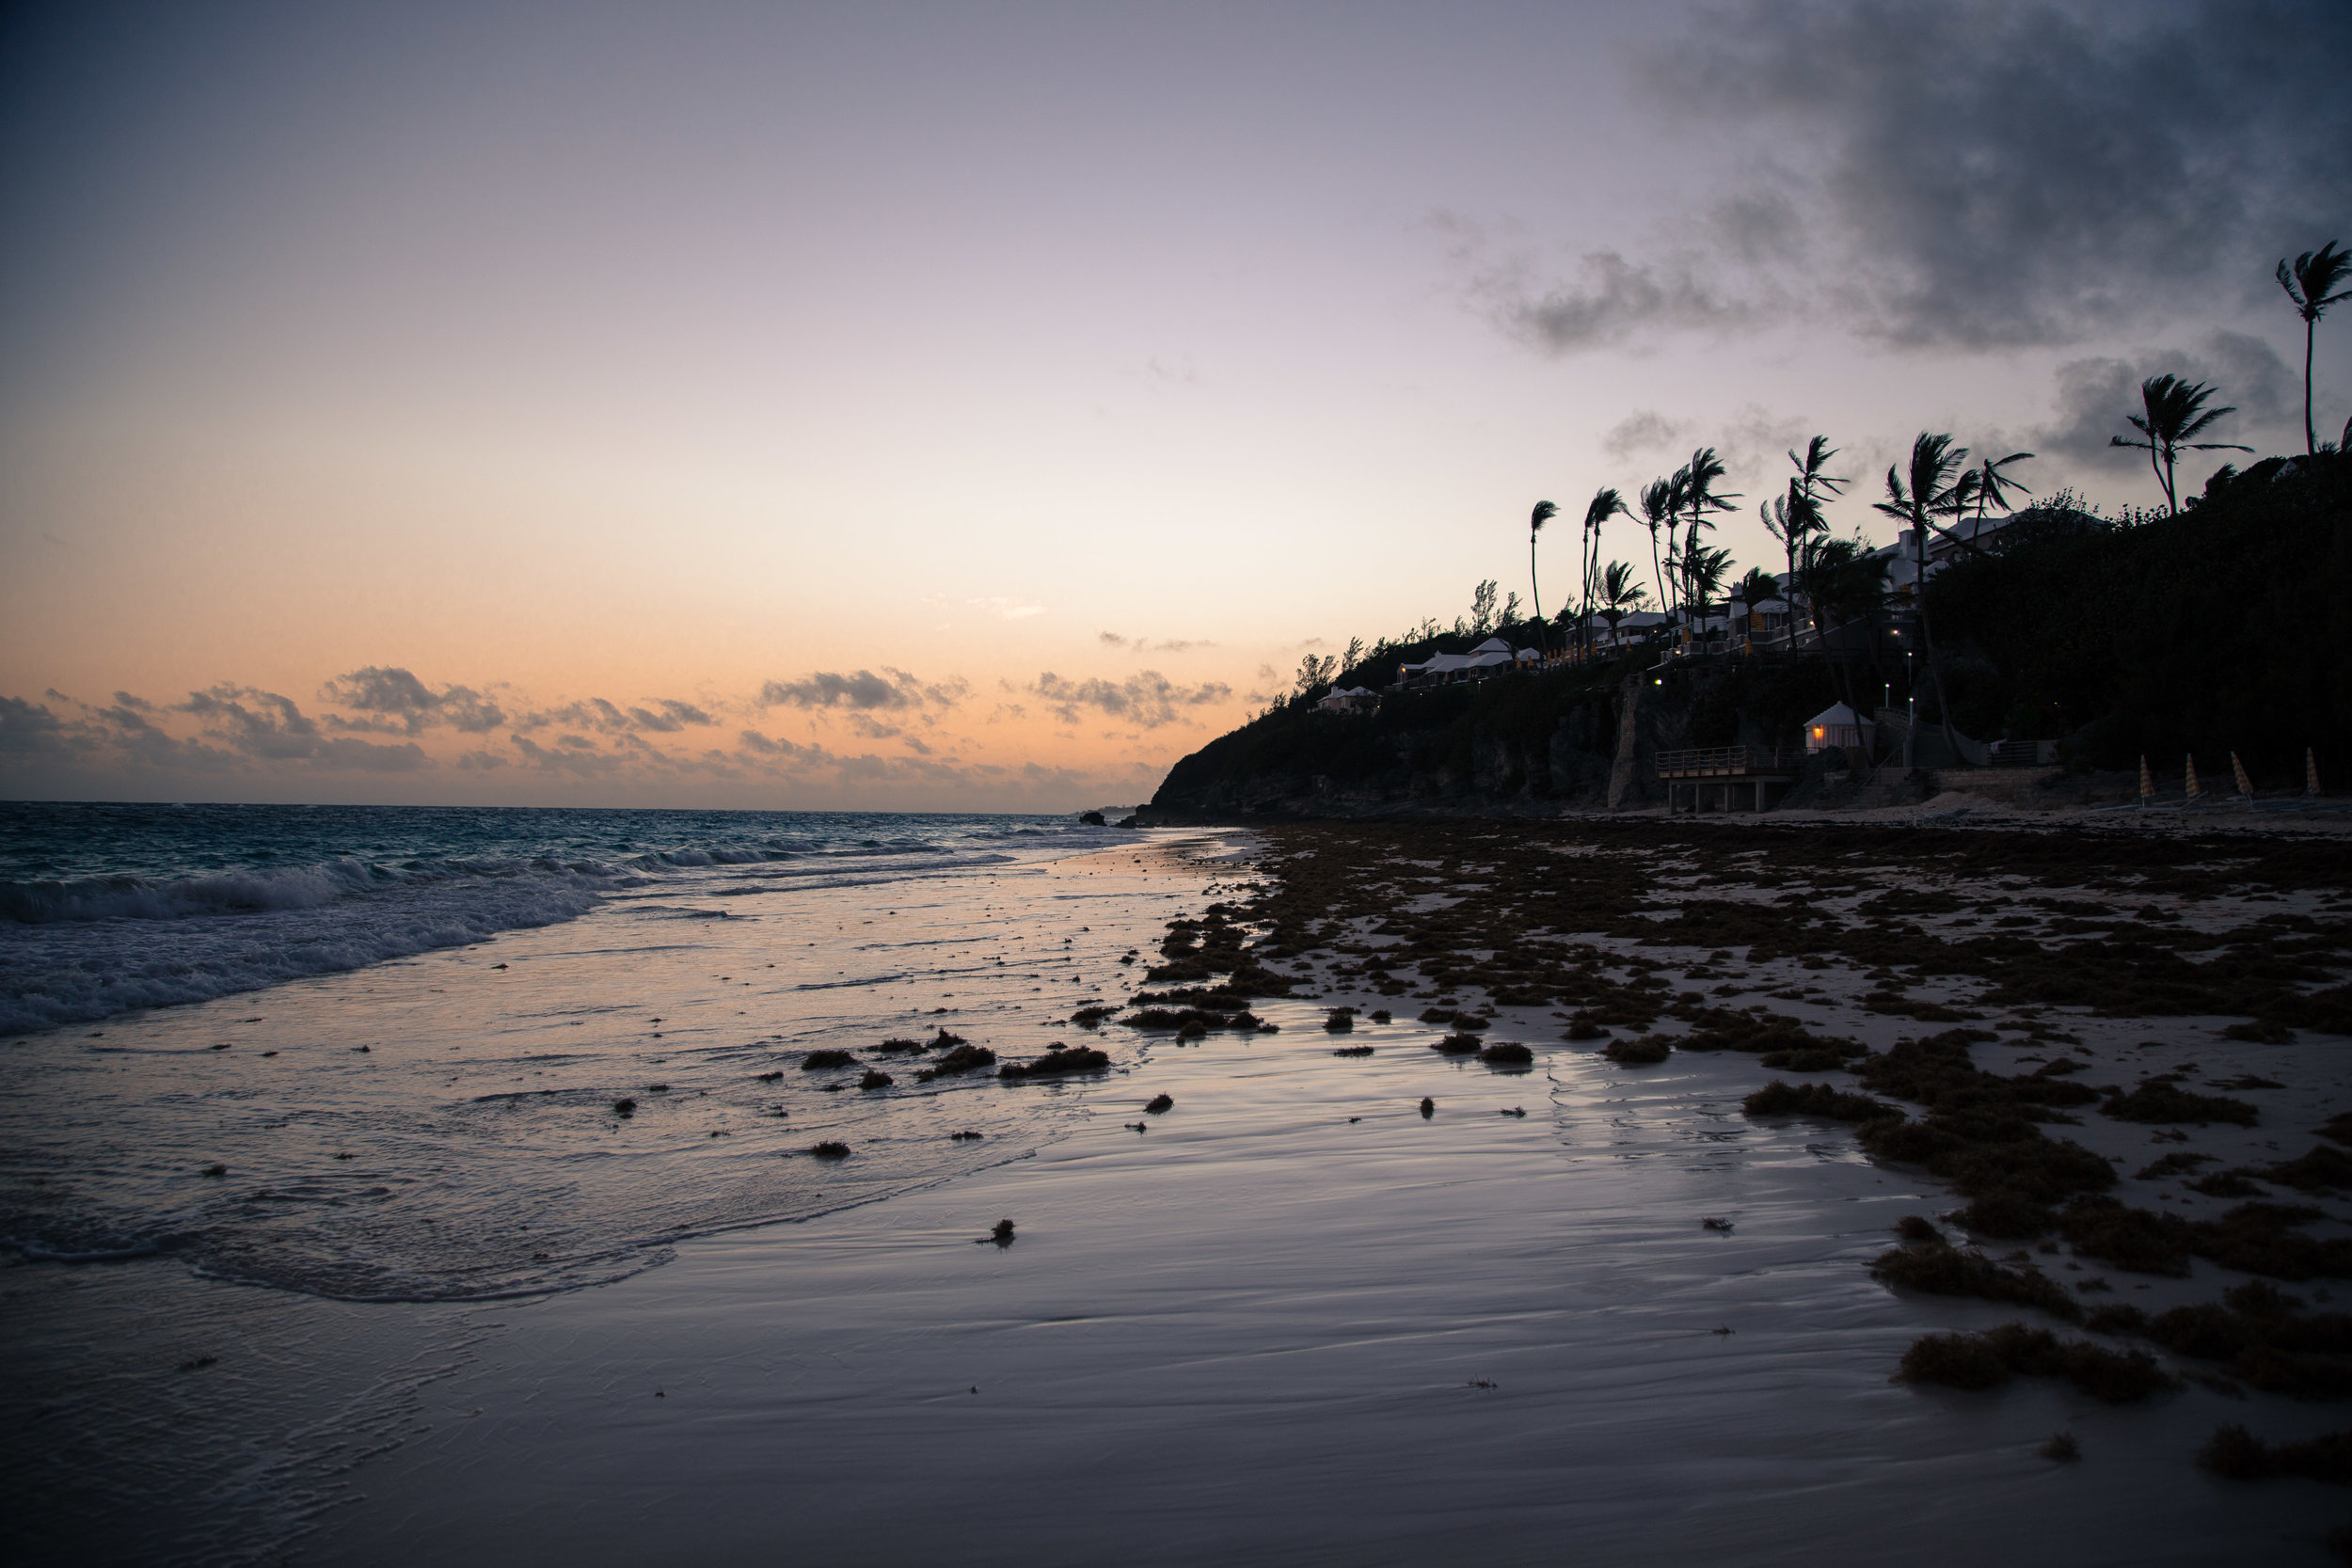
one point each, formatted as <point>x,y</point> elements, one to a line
<point>1942,1270</point>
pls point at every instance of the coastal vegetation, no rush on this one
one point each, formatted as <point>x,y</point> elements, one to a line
<point>2155,632</point>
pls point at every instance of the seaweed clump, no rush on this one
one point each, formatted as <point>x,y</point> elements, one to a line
<point>1643,1051</point>
<point>2236,1454</point>
<point>1943,1270</point>
<point>2321,1170</point>
<point>1460,1045</point>
<point>1777,1098</point>
<point>2161,1102</point>
<point>817,1060</point>
<point>875,1079</point>
<point>2253,1238</point>
<point>2259,1333</point>
<point>1059,1062</point>
<point>1980,1132</point>
<point>831,1150</point>
<point>963,1058</point>
<point>1987,1360</point>
<point>1507,1053</point>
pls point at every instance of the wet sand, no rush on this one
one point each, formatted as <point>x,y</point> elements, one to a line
<point>1294,1320</point>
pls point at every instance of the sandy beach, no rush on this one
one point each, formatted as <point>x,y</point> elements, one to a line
<point>1291,1318</point>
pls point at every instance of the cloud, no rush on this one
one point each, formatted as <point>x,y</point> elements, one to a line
<point>1144,644</point>
<point>1011,610</point>
<point>393,695</point>
<point>674,716</point>
<point>666,716</point>
<point>1147,700</point>
<point>1980,175</point>
<point>865,691</point>
<point>268,727</point>
<point>29,727</point>
<point>575,755</point>
<point>1643,430</point>
<point>1614,299</point>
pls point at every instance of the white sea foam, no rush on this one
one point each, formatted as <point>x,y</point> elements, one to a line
<point>186,907</point>
<point>157,946</point>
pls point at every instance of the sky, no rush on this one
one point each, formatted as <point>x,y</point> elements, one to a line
<point>980,407</point>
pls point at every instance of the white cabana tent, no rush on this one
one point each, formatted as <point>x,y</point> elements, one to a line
<point>1837,725</point>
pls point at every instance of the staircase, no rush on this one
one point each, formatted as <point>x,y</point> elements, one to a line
<point>1888,785</point>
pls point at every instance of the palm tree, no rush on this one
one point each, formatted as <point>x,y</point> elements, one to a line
<point>1993,486</point>
<point>1699,499</point>
<point>1544,513</point>
<point>1619,593</point>
<point>1606,503</point>
<point>1784,518</point>
<point>1703,570</point>
<point>1802,512</point>
<point>2174,410</point>
<point>1824,567</point>
<point>1940,485</point>
<point>1660,504</point>
<point>2309,283</point>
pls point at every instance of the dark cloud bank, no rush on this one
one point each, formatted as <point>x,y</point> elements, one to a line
<point>1983,176</point>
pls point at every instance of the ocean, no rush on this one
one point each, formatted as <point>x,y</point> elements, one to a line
<point>106,907</point>
<point>382,1053</point>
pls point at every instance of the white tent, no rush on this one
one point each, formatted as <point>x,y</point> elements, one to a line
<point>1836,725</point>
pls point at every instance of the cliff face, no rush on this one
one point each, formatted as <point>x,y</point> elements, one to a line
<point>1514,746</point>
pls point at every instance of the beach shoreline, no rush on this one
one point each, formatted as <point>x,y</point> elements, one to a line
<point>1291,1318</point>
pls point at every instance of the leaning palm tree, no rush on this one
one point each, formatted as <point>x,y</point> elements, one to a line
<point>1940,485</point>
<point>2173,410</point>
<point>1815,484</point>
<point>1791,521</point>
<point>1660,505</point>
<point>1993,488</point>
<point>1699,499</point>
<point>2312,284</point>
<point>1606,503</point>
<point>1544,513</point>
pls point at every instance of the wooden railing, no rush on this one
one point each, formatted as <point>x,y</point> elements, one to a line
<point>1721,762</point>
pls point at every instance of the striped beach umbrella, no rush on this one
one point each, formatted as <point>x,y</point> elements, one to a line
<point>2245,784</point>
<point>2146,784</point>
<point>2311,775</point>
<point>2196,791</point>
